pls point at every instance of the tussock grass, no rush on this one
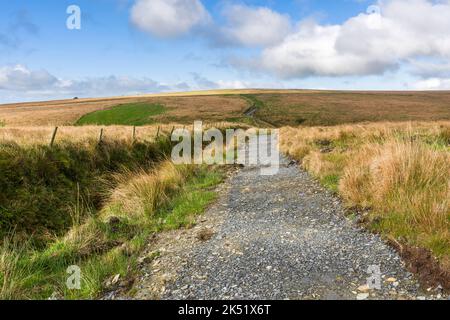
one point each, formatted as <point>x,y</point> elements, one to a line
<point>11,272</point>
<point>42,187</point>
<point>143,193</point>
<point>400,171</point>
<point>89,204</point>
<point>107,244</point>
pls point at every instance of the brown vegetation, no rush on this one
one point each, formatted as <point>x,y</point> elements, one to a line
<point>333,108</point>
<point>179,109</point>
<point>398,172</point>
<point>278,107</point>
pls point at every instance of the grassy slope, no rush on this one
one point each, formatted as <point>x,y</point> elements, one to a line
<point>42,187</point>
<point>133,114</point>
<point>92,205</point>
<point>108,244</point>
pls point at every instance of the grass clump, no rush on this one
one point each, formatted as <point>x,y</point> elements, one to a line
<point>132,114</point>
<point>407,186</point>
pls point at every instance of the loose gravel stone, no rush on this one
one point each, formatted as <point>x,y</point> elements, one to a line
<point>274,237</point>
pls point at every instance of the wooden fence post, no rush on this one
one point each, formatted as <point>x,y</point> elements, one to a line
<point>53,136</point>
<point>157,133</point>
<point>134,133</point>
<point>100,138</point>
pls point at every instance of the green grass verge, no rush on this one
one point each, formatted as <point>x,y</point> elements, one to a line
<point>28,273</point>
<point>132,114</point>
<point>331,182</point>
<point>196,196</point>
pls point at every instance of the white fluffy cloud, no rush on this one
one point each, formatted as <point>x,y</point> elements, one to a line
<point>22,83</point>
<point>255,26</point>
<point>370,43</point>
<point>244,25</point>
<point>432,84</point>
<point>111,85</point>
<point>19,77</point>
<point>203,83</point>
<point>168,18</point>
<point>312,51</point>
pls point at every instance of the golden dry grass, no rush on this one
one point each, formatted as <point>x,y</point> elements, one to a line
<point>32,135</point>
<point>42,134</point>
<point>400,171</point>
<point>141,194</point>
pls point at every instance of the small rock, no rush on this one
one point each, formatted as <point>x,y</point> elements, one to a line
<point>364,288</point>
<point>205,234</point>
<point>115,279</point>
<point>362,296</point>
<point>56,296</point>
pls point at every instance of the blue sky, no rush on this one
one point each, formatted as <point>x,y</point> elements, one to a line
<point>140,46</point>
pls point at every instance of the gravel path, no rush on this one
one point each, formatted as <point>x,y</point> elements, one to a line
<point>273,237</point>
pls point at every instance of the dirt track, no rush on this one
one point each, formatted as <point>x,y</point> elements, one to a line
<point>272,237</point>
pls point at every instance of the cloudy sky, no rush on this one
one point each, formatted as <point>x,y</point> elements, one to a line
<point>142,46</point>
